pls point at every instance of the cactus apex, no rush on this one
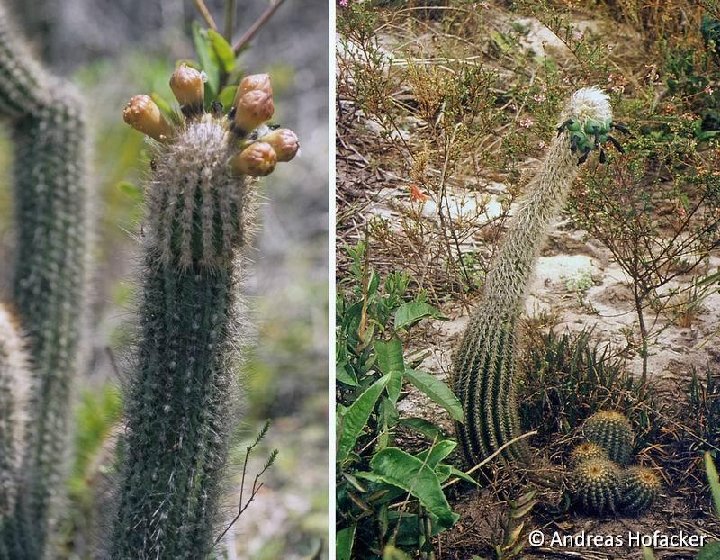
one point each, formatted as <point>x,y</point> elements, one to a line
<point>595,486</point>
<point>641,487</point>
<point>143,114</point>
<point>612,431</point>
<point>586,450</point>
<point>590,103</point>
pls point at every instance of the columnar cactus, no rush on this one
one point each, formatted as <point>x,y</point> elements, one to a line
<point>200,216</point>
<point>23,85</point>
<point>595,486</point>
<point>612,431</point>
<point>50,290</point>
<point>484,370</point>
<point>640,488</point>
<point>14,381</point>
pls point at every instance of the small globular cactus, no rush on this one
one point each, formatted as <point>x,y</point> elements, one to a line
<point>586,450</point>
<point>199,220</point>
<point>595,486</point>
<point>640,488</point>
<point>612,431</point>
<point>484,366</point>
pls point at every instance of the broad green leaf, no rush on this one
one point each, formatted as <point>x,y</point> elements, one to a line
<point>389,412</point>
<point>424,427</point>
<point>711,551</point>
<point>344,540</point>
<point>208,60</point>
<point>353,421</point>
<point>437,452</point>
<point>410,313</point>
<point>389,355</point>
<point>448,470</point>
<point>343,375</point>
<point>395,466</point>
<point>648,553</point>
<point>712,476</point>
<point>223,51</point>
<point>438,392</point>
<point>390,361</point>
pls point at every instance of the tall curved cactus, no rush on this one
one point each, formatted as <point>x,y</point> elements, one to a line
<point>200,216</point>
<point>484,370</point>
<point>50,288</point>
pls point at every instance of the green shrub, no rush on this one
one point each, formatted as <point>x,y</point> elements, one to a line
<point>385,495</point>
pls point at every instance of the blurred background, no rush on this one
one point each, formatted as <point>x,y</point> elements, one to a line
<point>113,49</point>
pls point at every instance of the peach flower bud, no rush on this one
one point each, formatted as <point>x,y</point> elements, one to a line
<point>255,82</point>
<point>252,109</point>
<point>257,160</point>
<point>143,114</point>
<point>188,86</point>
<point>284,141</point>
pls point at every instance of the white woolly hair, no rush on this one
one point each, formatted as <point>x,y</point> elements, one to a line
<point>589,103</point>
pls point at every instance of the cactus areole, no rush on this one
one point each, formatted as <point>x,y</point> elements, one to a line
<point>484,370</point>
<point>199,220</point>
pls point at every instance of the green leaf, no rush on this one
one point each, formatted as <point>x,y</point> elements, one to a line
<point>410,313</point>
<point>390,361</point>
<point>163,104</point>
<point>344,540</point>
<point>424,427</point>
<point>713,481</point>
<point>208,60</point>
<point>711,551</point>
<point>353,421</point>
<point>227,96</point>
<point>449,470</point>
<point>437,452</point>
<point>395,466</point>
<point>223,51</point>
<point>438,392</point>
<point>392,553</point>
<point>390,355</point>
<point>343,375</point>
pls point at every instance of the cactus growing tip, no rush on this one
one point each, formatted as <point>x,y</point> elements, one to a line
<point>590,103</point>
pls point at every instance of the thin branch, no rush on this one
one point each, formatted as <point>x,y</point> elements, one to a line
<point>257,485</point>
<point>255,27</point>
<point>205,13</point>
<point>230,9</point>
<point>489,458</point>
